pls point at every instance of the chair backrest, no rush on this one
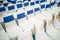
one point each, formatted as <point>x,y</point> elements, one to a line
<point>11,26</point>
<point>30,14</point>
<point>48,6</point>
<point>37,11</point>
<point>5,3</point>
<point>32,4</point>
<point>29,9</point>
<point>9,21</point>
<point>42,5</point>
<point>19,0</point>
<point>12,9</point>
<point>29,5</point>
<point>19,8</point>
<point>2,11</point>
<point>12,1</point>
<point>53,3</point>
<point>29,0</point>
<point>42,1</point>
<point>21,17</point>
<point>37,7</point>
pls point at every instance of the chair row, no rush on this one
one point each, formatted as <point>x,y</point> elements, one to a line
<point>29,19</point>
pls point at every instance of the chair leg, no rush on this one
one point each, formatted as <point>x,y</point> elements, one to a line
<point>45,25</point>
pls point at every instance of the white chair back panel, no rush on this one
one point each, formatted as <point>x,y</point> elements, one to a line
<point>24,25</point>
<point>32,0</point>
<point>3,35</point>
<point>31,15</point>
<point>43,7</point>
<point>22,20</point>
<point>21,17</point>
<point>20,10</point>
<point>41,16</point>
<point>12,29</point>
<point>37,5</point>
<point>10,24</point>
<point>28,8</point>
<point>48,15</point>
<point>11,8</point>
<point>1,19</point>
<point>26,36</point>
<point>38,12</point>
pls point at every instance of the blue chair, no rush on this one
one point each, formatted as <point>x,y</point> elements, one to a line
<point>55,9</point>
<point>11,27</point>
<point>33,19</point>
<point>22,21</point>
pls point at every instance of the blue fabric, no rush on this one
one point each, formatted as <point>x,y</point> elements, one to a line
<point>5,4</point>
<point>32,3</point>
<point>29,12</point>
<point>2,9</point>
<point>52,3</point>
<point>20,16</point>
<point>24,0</point>
<point>19,5</point>
<point>26,4</point>
<point>37,2</point>
<point>48,6</point>
<point>0,4</point>
<point>8,19</point>
<point>36,9</point>
<point>42,6</point>
<point>13,2</point>
<point>9,0</point>
<point>11,7</point>
<point>29,0</point>
<point>42,1</point>
<point>1,1</point>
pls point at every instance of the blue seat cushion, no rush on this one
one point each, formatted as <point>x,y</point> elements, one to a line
<point>19,5</point>
<point>21,15</point>
<point>8,19</point>
<point>26,4</point>
<point>11,7</point>
<point>42,1</point>
<point>32,3</point>
<point>2,9</point>
<point>29,12</point>
<point>48,6</point>
<point>36,9</point>
<point>5,4</point>
<point>42,6</point>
